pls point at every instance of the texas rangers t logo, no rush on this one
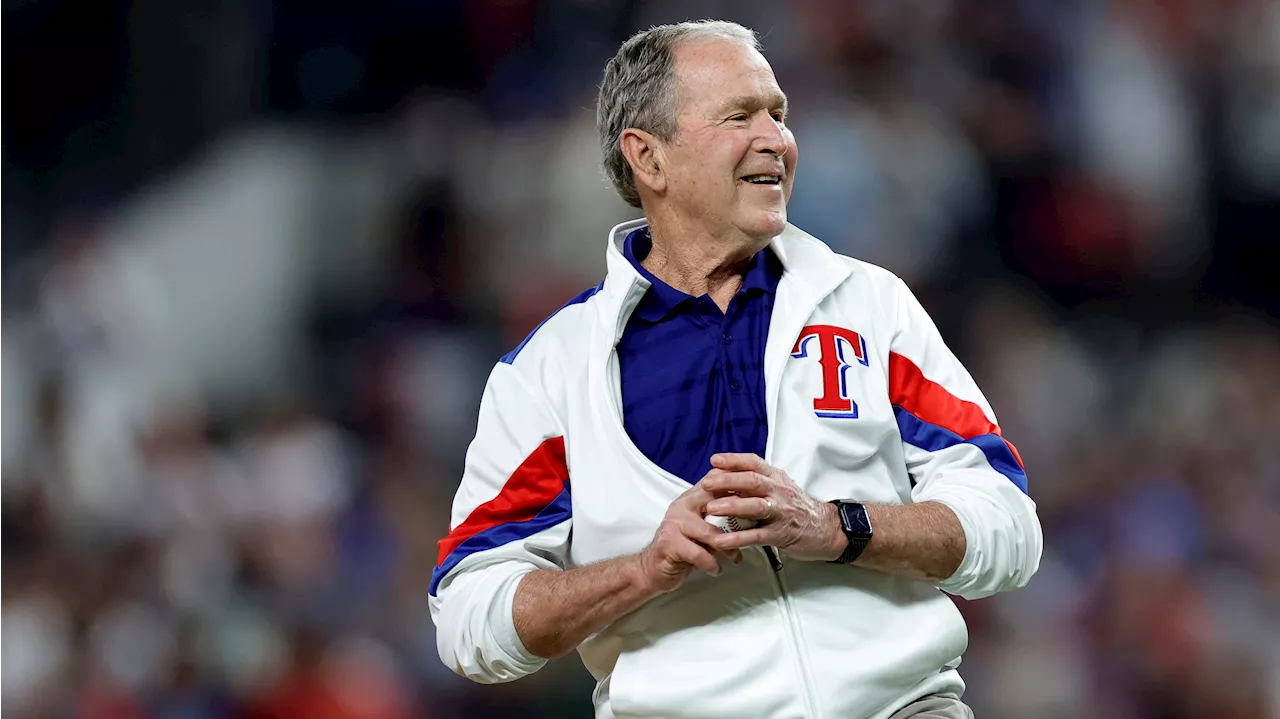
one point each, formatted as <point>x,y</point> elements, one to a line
<point>837,346</point>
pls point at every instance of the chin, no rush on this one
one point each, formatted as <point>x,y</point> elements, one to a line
<point>766,225</point>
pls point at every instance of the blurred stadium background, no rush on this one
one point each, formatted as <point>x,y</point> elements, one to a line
<point>259,256</point>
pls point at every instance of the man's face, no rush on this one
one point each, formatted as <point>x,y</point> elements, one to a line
<point>732,161</point>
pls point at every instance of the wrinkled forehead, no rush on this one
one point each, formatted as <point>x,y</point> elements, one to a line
<point>714,72</point>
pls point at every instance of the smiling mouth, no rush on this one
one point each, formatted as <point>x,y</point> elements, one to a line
<point>766,179</point>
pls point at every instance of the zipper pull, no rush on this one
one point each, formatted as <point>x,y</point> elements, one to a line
<point>773,559</point>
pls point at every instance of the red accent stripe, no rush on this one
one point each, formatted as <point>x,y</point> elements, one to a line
<point>931,402</point>
<point>536,483</point>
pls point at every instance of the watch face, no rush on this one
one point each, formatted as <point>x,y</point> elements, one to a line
<point>854,518</point>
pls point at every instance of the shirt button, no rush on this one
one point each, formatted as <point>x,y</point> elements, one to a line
<point>735,385</point>
<point>727,338</point>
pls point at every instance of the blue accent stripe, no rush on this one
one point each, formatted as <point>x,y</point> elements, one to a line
<point>583,296</point>
<point>560,509</point>
<point>931,438</point>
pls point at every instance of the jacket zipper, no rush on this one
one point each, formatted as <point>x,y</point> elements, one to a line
<point>795,637</point>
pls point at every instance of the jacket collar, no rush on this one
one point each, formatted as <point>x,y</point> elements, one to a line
<point>810,271</point>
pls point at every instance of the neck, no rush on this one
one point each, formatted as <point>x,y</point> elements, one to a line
<point>699,263</point>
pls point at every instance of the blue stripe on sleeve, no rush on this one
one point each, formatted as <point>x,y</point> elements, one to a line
<point>560,509</point>
<point>931,438</point>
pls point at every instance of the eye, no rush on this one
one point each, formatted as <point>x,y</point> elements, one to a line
<point>779,116</point>
<point>740,117</point>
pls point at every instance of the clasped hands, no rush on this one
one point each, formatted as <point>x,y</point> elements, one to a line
<point>738,485</point>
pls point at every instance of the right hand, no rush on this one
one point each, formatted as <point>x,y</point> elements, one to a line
<point>682,544</point>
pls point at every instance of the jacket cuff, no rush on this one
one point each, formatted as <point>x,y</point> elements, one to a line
<point>502,623</point>
<point>1002,544</point>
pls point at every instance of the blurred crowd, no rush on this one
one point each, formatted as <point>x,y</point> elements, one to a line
<point>260,257</point>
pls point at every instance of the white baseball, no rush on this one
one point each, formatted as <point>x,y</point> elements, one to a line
<point>730,524</point>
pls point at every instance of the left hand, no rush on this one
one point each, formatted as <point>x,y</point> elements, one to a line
<point>746,486</point>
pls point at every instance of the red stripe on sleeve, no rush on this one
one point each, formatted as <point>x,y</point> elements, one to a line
<point>931,402</point>
<point>536,483</point>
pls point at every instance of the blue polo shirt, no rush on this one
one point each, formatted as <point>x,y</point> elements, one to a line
<point>693,377</point>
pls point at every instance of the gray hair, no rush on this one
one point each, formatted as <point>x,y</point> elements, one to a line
<point>640,90</point>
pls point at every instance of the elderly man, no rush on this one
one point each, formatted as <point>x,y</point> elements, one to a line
<point>739,474</point>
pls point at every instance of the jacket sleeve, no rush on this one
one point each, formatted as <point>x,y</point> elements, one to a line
<point>512,515</point>
<point>956,455</point>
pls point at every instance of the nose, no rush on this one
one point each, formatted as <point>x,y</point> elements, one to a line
<point>770,136</point>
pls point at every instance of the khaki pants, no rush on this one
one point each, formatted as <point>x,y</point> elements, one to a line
<point>935,706</point>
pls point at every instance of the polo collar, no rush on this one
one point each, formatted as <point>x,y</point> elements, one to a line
<point>662,299</point>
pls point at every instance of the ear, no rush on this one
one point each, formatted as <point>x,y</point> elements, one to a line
<point>644,154</point>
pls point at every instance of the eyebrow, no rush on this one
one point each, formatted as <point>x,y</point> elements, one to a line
<point>751,102</point>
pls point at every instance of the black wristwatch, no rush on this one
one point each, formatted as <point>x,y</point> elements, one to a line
<point>856,526</point>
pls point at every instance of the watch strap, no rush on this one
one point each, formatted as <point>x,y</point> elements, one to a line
<point>854,550</point>
<point>857,540</point>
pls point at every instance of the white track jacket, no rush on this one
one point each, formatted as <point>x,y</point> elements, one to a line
<point>864,401</point>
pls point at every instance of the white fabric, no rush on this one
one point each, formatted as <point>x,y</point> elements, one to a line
<point>815,639</point>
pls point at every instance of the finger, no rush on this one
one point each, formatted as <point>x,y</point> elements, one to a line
<point>758,537</point>
<point>694,499</point>
<point>699,530</point>
<point>713,472</point>
<point>704,535</point>
<point>748,484</point>
<point>738,461</point>
<point>733,556</point>
<point>757,508</point>
<point>691,552</point>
